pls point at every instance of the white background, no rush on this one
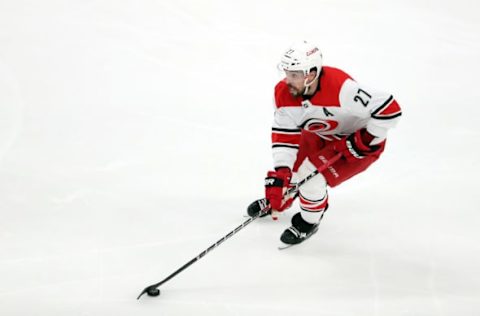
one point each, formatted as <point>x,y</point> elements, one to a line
<point>133,134</point>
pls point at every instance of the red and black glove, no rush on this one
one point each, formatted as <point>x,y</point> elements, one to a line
<point>276,183</point>
<point>357,146</point>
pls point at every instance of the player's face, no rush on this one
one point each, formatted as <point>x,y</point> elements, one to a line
<point>295,82</point>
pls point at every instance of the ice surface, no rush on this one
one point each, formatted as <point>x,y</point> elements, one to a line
<point>134,133</point>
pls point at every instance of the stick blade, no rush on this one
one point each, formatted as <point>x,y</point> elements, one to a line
<point>143,292</point>
<point>151,290</point>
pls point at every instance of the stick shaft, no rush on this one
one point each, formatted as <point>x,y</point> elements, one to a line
<point>213,246</point>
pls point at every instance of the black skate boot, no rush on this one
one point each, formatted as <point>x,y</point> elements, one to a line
<point>256,206</point>
<point>299,231</point>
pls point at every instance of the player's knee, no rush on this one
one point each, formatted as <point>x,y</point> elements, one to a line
<point>316,188</point>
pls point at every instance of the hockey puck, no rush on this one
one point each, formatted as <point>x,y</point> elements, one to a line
<point>153,292</point>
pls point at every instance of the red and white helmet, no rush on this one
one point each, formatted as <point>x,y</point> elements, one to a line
<point>302,56</point>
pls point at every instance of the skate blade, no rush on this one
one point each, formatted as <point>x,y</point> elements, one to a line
<point>285,246</point>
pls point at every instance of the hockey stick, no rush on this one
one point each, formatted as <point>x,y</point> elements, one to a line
<point>153,290</point>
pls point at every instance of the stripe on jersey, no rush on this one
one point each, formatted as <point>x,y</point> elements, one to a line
<point>286,137</point>
<point>293,139</point>
<point>388,110</point>
<point>278,145</point>
<point>286,130</point>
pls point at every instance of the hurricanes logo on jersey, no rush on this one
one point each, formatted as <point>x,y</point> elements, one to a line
<point>318,125</point>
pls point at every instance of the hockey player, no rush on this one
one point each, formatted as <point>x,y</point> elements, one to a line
<point>320,111</point>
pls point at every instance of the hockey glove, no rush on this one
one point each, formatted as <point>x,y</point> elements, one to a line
<point>356,146</point>
<point>276,184</point>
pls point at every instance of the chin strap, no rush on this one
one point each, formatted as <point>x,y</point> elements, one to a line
<point>307,85</point>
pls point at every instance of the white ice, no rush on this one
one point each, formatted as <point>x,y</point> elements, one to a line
<point>134,133</point>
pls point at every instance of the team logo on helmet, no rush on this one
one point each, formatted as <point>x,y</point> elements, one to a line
<point>313,51</point>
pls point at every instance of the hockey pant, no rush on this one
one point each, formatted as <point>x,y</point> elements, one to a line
<point>314,152</point>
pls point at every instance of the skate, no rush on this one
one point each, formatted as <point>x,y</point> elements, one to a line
<point>298,232</point>
<point>256,206</point>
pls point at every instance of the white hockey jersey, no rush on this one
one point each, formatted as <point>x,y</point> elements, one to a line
<point>339,107</point>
